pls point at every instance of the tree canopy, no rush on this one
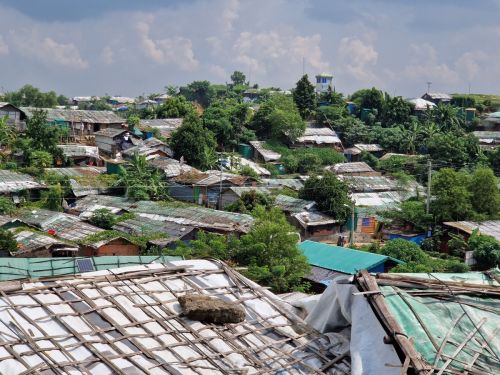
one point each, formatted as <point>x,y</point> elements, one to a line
<point>304,97</point>
<point>330,194</point>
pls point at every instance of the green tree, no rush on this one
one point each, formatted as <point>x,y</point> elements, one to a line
<point>278,119</point>
<point>485,197</point>
<point>141,181</point>
<point>195,143</point>
<point>103,218</point>
<point>208,245</point>
<point>396,110</point>
<point>175,107</point>
<point>304,97</point>
<point>7,133</point>
<point>486,250</point>
<point>6,206</point>
<point>271,254</point>
<point>201,92</point>
<point>249,201</point>
<point>41,159</point>
<point>42,136</point>
<point>238,78</point>
<point>133,122</point>
<point>8,243</point>
<point>447,118</point>
<point>29,96</point>
<point>404,250</point>
<point>369,98</point>
<point>329,115</point>
<point>451,195</point>
<point>453,148</point>
<point>410,212</point>
<point>330,194</point>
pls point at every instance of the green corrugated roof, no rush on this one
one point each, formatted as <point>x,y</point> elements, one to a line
<point>341,259</point>
<point>20,268</point>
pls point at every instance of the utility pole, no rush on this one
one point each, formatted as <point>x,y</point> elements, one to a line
<point>351,236</point>
<point>220,187</point>
<point>429,181</point>
<point>429,83</point>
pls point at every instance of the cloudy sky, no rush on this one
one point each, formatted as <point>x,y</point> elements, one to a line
<point>131,47</point>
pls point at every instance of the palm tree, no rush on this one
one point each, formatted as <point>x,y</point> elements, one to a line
<point>7,133</point>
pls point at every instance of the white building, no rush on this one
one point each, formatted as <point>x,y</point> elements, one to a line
<point>324,81</point>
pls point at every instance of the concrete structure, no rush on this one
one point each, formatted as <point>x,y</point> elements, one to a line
<point>119,246</point>
<point>324,82</point>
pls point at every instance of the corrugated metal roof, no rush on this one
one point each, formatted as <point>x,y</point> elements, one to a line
<point>145,226</point>
<point>490,227</point>
<point>291,183</point>
<point>166,126</point>
<point>76,150</point>
<point>385,199</point>
<point>311,218</point>
<point>29,241</point>
<point>268,155</point>
<point>77,171</point>
<point>110,132</point>
<point>319,136</point>
<point>356,167</point>
<point>77,115</point>
<point>21,268</point>
<point>196,216</point>
<point>291,204</point>
<point>341,259</point>
<point>67,227</point>
<point>437,95</point>
<point>369,147</point>
<point>376,183</point>
<point>171,167</point>
<point>11,182</point>
<point>239,190</point>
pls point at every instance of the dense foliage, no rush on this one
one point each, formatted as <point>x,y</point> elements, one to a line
<point>330,194</point>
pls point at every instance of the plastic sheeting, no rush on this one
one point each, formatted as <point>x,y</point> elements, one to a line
<point>336,310</point>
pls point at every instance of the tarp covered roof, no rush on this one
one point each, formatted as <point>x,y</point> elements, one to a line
<point>341,259</point>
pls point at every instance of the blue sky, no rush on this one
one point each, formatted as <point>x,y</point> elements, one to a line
<point>130,47</point>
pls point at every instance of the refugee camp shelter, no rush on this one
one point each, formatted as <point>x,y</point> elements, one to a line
<point>327,261</point>
<point>132,321</point>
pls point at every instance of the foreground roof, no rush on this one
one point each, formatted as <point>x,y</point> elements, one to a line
<point>129,321</point>
<point>489,227</point>
<point>341,259</point>
<point>441,325</point>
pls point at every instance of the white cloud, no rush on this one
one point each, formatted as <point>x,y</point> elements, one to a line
<point>215,44</point>
<point>359,57</point>
<point>426,66</point>
<point>4,48</point>
<point>468,65</point>
<point>271,50</point>
<point>230,14</point>
<point>176,50</point>
<point>47,50</point>
<point>107,55</point>
<point>218,71</point>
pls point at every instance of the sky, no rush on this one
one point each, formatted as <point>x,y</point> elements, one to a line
<point>132,47</point>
